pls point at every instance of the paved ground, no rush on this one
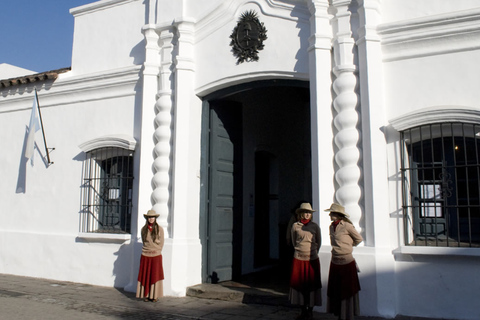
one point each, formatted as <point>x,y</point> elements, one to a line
<point>23,298</point>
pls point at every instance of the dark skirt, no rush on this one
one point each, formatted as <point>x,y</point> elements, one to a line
<point>343,288</point>
<point>150,276</point>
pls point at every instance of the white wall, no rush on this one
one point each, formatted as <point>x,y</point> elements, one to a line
<point>429,63</point>
<point>284,54</point>
<point>434,81</point>
<point>394,10</point>
<point>439,285</point>
<point>40,219</point>
<point>108,35</point>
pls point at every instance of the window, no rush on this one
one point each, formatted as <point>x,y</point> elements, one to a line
<point>441,185</point>
<point>107,190</point>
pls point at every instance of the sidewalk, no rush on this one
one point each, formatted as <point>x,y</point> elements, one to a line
<point>33,298</point>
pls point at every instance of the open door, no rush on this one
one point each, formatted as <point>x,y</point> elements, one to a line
<point>255,145</point>
<point>224,175</point>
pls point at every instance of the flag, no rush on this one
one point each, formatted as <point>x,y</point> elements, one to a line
<point>33,127</point>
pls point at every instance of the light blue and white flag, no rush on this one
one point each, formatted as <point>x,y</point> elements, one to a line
<point>33,127</point>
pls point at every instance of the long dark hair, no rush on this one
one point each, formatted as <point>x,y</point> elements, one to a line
<point>344,218</point>
<point>155,231</point>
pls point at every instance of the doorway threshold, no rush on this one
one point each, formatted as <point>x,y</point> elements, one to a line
<point>234,291</point>
<point>268,287</point>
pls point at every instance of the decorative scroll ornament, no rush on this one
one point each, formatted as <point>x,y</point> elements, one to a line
<point>247,37</point>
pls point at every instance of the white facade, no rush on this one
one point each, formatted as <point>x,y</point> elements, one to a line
<point>8,71</point>
<point>144,72</point>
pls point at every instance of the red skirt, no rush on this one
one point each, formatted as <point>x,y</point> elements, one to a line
<point>150,272</point>
<point>305,275</point>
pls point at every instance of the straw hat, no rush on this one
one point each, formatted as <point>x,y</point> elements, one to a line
<point>336,208</point>
<point>151,213</point>
<point>304,207</point>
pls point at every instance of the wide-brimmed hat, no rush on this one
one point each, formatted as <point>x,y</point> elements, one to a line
<point>304,207</point>
<point>336,208</point>
<point>151,213</point>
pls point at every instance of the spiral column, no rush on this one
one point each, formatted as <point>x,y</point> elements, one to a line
<point>162,136</point>
<point>347,138</point>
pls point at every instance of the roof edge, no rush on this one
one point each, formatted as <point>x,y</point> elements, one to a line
<point>47,75</point>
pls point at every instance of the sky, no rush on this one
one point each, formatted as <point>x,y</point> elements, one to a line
<point>37,34</point>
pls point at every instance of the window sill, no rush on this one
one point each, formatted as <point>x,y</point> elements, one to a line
<point>103,237</point>
<point>437,251</point>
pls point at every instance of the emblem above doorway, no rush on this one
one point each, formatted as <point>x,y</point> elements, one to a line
<point>247,37</point>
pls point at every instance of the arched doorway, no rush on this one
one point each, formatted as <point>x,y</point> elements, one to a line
<point>256,167</point>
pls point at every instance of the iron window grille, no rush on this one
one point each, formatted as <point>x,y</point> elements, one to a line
<point>107,191</point>
<point>440,172</point>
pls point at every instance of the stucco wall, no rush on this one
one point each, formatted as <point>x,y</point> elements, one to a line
<point>394,10</point>
<point>433,81</point>
<point>284,54</point>
<point>438,285</point>
<point>40,219</point>
<point>428,64</point>
<point>108,35</point>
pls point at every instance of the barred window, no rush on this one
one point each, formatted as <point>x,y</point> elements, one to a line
<point>107,191</point>
<point>441,185</point>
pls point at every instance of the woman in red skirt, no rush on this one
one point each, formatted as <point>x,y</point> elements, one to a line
<point>305,284</point>
<point>150,274</point>
<point>343,283</point>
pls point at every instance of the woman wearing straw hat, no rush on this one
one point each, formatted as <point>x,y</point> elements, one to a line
<point>305,284</point>
<point>343,283</point>
<point>150,274</point>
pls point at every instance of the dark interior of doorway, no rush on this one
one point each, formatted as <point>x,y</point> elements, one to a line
<point>263,196</point>
<point>268,272</point>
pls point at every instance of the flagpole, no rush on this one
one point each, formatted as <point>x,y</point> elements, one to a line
<point>43,131</point>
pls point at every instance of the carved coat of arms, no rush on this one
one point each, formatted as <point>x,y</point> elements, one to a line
<point>247,37</point>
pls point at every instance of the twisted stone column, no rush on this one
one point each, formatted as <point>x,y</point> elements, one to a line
<point>162,136</point>
<point>347,139</point>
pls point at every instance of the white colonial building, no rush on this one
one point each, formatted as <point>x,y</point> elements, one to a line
<point>223,115</point>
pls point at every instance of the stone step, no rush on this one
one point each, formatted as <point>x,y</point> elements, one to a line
<point>232,291</point>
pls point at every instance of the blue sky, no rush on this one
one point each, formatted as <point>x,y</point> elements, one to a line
<point>37,34</point>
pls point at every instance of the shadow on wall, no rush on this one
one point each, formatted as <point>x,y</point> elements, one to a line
<point>24,163</point>
<point>303,26</point>
<point>433,286</point>
<point>125,267</point>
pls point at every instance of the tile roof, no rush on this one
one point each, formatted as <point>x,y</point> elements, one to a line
<point>53,74</point>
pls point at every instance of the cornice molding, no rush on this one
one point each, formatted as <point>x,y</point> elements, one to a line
<point>96,6</point>
<point>70,89</point>
<point>426,36</point>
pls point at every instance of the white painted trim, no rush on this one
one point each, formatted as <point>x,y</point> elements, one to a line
<point>236,79</point>
<point>436,114</point>
<point>70,89</point>
<point>99,5</point>
<point>104,237</point>
<point>437,251</point>
<point>118,141</point>
<point>438,34</point>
